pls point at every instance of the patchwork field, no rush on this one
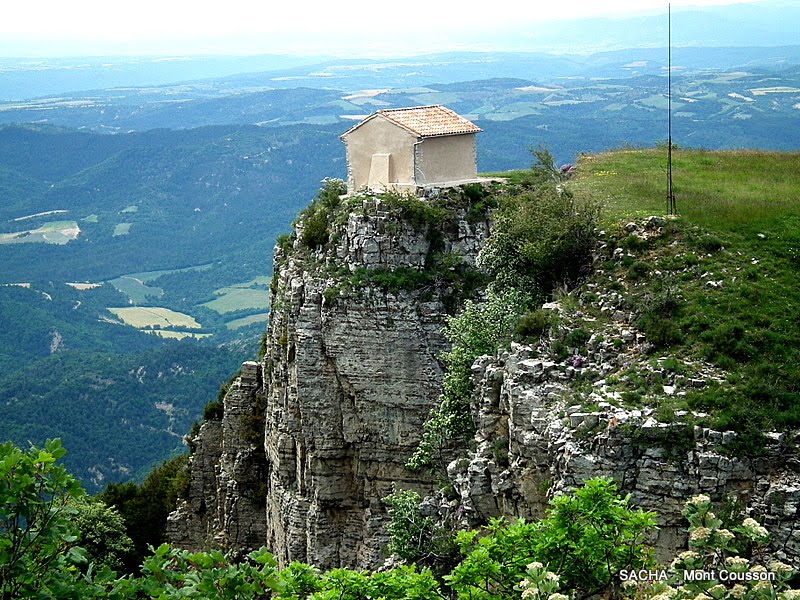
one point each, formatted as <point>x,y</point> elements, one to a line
<point>176,335</point>
<point>143,317</point>
<point>245,321</point>
<point>84,286</point>
<point>53,232</point>
<point>250,295</point>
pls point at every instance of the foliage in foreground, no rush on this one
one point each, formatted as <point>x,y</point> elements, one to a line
<point>587,538</point>
<point>144,507</point>
<point>37,550</point>
<point>582,548</point>
<point>716,550</point>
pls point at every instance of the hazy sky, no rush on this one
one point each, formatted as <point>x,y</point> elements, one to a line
<point>153,26</point>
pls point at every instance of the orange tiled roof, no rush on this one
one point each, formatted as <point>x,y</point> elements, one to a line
<point>427,121</point>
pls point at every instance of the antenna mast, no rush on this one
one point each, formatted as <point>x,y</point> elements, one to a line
<point>671,210</point>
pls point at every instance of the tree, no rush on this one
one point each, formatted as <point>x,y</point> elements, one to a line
<point>101,532</point>
<point>37,541</point>
<point>418,538</point>
<point>144,507</point>
<point>586,540</point>
<point>544,166</point>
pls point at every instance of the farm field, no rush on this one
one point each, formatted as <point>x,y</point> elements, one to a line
<point>250,295</point>
<point>143,317</point>
<point>245,321</point>
<point>53,232</point>
<point>176,335</point>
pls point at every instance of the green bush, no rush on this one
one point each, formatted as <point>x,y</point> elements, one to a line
<point>401,278</point>
<point>542,238</point>
<point>284,241</point>
<point>330,193</point>
<point>101,532</point>
<point>318,216</point>
<point>417,538</point>
<point>658,306</point>
<point>416,211</point>
<point>533,325</point>
<point>587,538</point>
<point>638,270</point>
<point>315,228</point>
<point>577,338</point>
<point>710,243</point>
<point>213,411</point>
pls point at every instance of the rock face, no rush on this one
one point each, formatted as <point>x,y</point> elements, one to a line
<point>316,433</point>
<point>225,501</point>
<point>533,442</point>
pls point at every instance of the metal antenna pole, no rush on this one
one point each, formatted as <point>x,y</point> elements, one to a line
<point>670,193</point>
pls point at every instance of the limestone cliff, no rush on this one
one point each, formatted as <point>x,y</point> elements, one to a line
<point>533,441</point>
<point>315,433</point>
<point>547,420</point>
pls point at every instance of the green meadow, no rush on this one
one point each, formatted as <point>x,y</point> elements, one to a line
<point>250,295</point>
<point>721,284</point>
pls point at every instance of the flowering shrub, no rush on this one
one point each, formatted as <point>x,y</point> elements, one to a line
<point>713,570</point>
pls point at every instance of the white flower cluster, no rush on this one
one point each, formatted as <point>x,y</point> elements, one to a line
<point>725,534</point>
<point>700,534</point>
<point>754,528</point>
<point>736,562</point>
<point>687,556</point>
<point>666,594</point>
<point>777,566</point>
<point>738,591</point>
<point>540,583</point>
<point>699,499</point>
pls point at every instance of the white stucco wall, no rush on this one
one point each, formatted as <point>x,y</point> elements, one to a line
<point>447,158</point>
<point>379,136</point>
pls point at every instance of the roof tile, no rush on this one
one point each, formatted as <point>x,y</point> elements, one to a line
<point>429,121</point>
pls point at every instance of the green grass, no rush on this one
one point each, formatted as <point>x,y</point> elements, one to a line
<point>250,295</point>
<point>245,321</point>
<point>712,189</point>
<point>738,224</point>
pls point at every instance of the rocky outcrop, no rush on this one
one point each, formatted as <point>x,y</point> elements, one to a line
<point>547,418</point>
<point>224,504</point>
<point>534,440</point>
<point>315,434</point>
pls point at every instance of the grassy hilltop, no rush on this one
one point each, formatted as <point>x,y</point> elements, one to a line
<point>718,285</point>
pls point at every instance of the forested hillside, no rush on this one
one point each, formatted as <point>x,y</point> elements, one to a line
<point>115,247</point>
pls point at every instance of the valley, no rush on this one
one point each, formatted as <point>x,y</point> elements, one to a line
<point>138,220</point>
